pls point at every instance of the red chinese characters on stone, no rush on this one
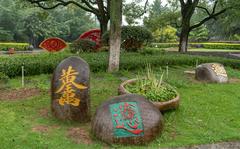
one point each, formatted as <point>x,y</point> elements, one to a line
<point>53,44</point>
<point>127,117</point>
<point>93,35</point>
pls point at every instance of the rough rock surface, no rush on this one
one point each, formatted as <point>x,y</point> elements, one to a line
<point>70,90</point>
<point>211,72</point>
<point>127,119</point>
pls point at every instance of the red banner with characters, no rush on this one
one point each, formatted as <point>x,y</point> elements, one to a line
<point>53,44</point>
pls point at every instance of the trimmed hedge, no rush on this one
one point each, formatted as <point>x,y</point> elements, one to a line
<point>199,45</point>
<point>46,63</point>
<point>17,46</point>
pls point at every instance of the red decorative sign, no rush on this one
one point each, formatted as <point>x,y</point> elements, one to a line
<point>126,119</point>
<point>53,44</point>
<point>93,35</point>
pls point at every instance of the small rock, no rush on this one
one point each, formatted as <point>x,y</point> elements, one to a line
<point>211,72</point>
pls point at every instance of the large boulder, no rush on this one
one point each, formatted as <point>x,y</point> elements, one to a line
<point>70,90</point>
<point>211,72</point>
<point>127,119</point>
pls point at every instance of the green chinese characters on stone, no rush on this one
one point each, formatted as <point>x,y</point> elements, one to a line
<point>127,120</point>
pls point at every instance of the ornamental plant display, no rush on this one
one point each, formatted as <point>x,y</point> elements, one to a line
<point>93,35</point>
<point>152,87</point>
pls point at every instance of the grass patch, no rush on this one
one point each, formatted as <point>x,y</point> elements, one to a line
<point>208,113</point>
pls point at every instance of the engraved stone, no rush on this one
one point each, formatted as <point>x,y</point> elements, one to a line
<point>70,90</point>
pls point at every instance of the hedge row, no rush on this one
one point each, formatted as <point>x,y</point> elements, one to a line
<point>46,63</point>
<point>200,45</point>
<point>17,46</point>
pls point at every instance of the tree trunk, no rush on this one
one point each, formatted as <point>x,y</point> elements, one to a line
<point>115,35</point>
<point>187,10</point>
<point>183,44</point>
<point>103,25</point>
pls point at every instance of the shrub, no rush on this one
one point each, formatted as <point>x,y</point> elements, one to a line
<point>3,80</point>
<point>199,45</point>
<point>16,46</point>
<point>151,51</point>
<point>199,34</point>
<point>220,46</point>
<point>82,45</point>
<point>133,37</point>
<point>164,45</point>
<point>165,34</point>
<point>3,76</point>
<point>46,62</point>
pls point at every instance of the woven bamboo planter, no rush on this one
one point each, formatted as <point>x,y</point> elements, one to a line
<point>162,106</point>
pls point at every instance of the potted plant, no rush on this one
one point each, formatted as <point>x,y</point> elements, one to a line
<point>161,94</point>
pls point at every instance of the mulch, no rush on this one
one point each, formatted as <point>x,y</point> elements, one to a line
<point>79,135</point>
<point>18,94</point>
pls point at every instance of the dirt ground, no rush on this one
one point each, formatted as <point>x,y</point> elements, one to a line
<point>79,135</point>
<point>17,94</point>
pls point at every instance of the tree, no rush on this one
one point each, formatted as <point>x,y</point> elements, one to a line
<point>133,11</point>
<point>226,27</point>
<point>187,10</point>
<point>115,35</point>
<point>39,25</point>
<point>102,11</point>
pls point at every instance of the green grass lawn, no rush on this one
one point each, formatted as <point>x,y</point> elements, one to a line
<point>208,113</point>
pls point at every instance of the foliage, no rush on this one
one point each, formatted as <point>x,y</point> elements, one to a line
<point>199,34</point>
<point>16,46</point>
<point>162,16</point>
<point>151,51</point>
<point>228,24</point>
<point>235,37</point>
<point>3,80</point>
<point>133,37</point>
<point>25,23</point>
<point>133,11</point>
<point>165,34</point>
<point>152,87</point>
<point>82,45</point>
<point>5,35</point>
<point>200,45</point>
<point>3,76</point>
<point>46,63</point>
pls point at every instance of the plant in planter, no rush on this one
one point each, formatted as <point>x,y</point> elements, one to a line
<point>161,94</point>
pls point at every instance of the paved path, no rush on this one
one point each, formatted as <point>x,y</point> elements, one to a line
<point>236,55</point>
<point>232,55</point>
<point>24,52</point>
<point>222,145</point>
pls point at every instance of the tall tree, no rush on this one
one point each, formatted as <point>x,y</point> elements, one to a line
<point>101,8</point>
<point>115,35</point>
<point>187,10</point>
